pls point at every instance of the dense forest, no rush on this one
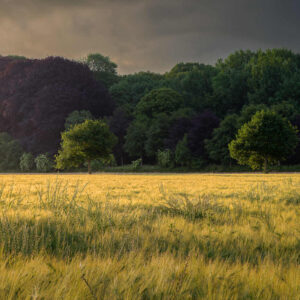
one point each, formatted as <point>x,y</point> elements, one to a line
<point>185,117</point>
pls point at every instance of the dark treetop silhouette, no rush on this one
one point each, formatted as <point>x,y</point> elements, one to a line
<point>36,96</point>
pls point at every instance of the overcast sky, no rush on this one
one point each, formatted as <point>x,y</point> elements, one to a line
<point>147,34</point>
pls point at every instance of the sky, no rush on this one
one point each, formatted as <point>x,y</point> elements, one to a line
<point>142,35</point>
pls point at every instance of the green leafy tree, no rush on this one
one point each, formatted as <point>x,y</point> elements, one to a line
<point>43,163</point>
<point>181,69</point>
<point>10,152</point>
<point>290,88</point>
<point>136,137</point>
<point>286,109</point>
<point>77,117</point>
<point>217,146</point>
<point>267,138</point>
<point>85,142</point>
<point>194,82</point>
<point>146,134</point>
<point>269,71</point>
<point>230,85</point>
<point>130,89</point>
<point>156,134</point>
<point>26,162</point>
<point>164,158</point>
<point>183,155</point>
<point>248,112</point>
<point>164,100</point>
<point>103,68</point>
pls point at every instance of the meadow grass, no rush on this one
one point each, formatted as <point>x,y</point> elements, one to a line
<point>227,236</point>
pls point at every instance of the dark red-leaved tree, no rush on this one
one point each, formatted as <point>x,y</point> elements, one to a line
<point>36,96</point>
<point>177,131</point>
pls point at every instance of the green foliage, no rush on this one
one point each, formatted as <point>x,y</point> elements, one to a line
<point>267,138</point>
<point>17,57</point>
<point>99,165</point>
<point>230,85</point>
<point>269,71</point>
<point>153,113</point>
<point>77,117</point>
<point>131,88</point>
<point>217,146</point>
<point>234,89</point>
<point>248,112</point>
<point>135,164</point>
<point>182,153</point>
<point>164,100</point>
<point>290,88</point>
<point>286,109</point>
<point>194,82</point>
<point>10,152</point>
<point>43,163</point>
<point>183,68</point>
<point>136,137</point>
<point>85,142</point>
<point>103,68</point>
<point>26,162</point>
<point>156,134</point>
<point>164,158</point>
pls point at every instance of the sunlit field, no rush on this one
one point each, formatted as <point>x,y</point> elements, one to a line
<point>229,236</point>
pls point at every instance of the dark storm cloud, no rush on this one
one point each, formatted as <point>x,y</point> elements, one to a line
<point>147,34</point>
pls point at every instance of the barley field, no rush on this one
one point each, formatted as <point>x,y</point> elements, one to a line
<point>193,236</point>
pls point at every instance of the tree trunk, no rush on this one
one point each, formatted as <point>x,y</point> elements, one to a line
<point>266,166</point>
<point>89,167</point>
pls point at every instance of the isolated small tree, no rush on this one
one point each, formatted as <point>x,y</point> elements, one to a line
<point>43,163</point>
<point>26,162</point>
<point>85,142</point>
<point>267,138</point>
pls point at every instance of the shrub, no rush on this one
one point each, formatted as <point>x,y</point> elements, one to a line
<point>136,163</point>
<point>164,158</point>
<point>43,163</point>
<point>26,162</point>
<point>98,164</point>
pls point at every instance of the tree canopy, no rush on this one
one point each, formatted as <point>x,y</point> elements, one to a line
<point>77,117</point>
<point>267,138</point>
<point>194,106</point>
<point>85,142</point>
<point>103,68</point>
<point>36,96</point>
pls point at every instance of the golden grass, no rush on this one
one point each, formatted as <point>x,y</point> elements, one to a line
<point>228,236</point>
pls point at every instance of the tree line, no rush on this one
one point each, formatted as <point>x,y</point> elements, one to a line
<point>190,115</point>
